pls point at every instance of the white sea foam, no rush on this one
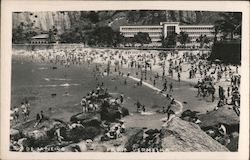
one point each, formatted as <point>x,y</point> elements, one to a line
<point>56,79</point>
<point>42,68</point>
<point>60,79</point>
<point>59,85</point>
<point>147,113</point>
<point>67,84</point>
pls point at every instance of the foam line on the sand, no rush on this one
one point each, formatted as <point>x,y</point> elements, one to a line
<point>157,89</point>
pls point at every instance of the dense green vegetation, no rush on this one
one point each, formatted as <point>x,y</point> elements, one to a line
<point>22,34</point>
<point>93,29</point>
<point>229,25</point>
<point>228,50</point>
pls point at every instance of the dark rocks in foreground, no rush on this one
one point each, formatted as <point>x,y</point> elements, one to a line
<point>176,135</point>
<point>224,115</point>
<point>87,119</point>
<point>183,136</point>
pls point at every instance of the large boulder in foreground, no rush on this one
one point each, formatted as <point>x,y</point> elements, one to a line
<point>182,136</point>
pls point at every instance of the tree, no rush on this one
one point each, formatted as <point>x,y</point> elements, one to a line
<point>142,38</point>
<point>200,40</point>
<point>54,29</point>
<point>128,40</point>
<point>29,35</point>
<point>22,34</point>
<point>103,36</point>
<point>216,31</point>
<point>93,17</point>
<point>206,39</point>
<point>169,41</point>
<point>18,35</point>
<point>229,24</point>
<point>72,36</point>
<point>50,36</point>
<point>183,38</point>
<point>118,39</point>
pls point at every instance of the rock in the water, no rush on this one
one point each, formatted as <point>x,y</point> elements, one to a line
<point>182,136</point>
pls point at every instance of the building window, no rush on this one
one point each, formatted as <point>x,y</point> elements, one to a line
<point>170,30</point>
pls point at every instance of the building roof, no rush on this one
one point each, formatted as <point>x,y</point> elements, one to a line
<point>197,25</point>
<point>161,23</point>
<point>41,36</point>
<point>134,25</point>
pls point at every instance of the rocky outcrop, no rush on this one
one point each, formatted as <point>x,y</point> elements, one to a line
<point>175,136</point>
<point>87,119</point>
<point>225,115</point>
<point>134,136</point>
<point>182,136</point>
<point>44,20</point>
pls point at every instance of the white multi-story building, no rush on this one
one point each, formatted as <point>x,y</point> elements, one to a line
<point>166,28</point>
<point>155,32</point>
<point>195,31</point>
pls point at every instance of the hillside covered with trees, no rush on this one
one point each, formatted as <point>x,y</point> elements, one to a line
<point>101,28</point>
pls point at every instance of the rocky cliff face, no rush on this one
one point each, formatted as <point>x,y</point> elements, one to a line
<point>44,20</point>
<point>63,20</point>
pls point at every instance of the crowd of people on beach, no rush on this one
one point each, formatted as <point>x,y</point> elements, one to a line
<point>216,79</point>
<point>188,66</point>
